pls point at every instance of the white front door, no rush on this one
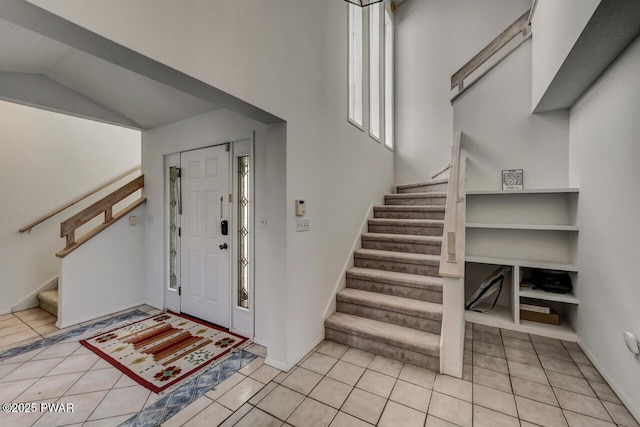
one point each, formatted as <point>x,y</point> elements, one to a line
<point>204,246</point>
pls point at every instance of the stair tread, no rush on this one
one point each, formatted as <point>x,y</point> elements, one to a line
<point>417,195</point>
<point>393,277</point>
<point>50,296</point>
<point>413,258</point>
<point>406,221</point>
<point>423,183</point>
<point>410,208</point>
<point>404,238</point>
<point>412,339</point>
<point>419,308</point>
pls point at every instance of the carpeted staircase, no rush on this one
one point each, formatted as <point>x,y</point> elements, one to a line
<point>392,304</point>
<point>49,301</point>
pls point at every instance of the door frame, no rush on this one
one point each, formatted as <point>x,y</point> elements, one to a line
<point>242,321</point>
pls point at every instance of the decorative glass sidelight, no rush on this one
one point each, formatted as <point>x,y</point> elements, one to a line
<point>173,226</point>
<point>243,231</point>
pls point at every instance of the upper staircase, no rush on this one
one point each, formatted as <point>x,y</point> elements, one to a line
<point>392,303</point>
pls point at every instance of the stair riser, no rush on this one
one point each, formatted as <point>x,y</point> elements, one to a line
<point>424,188</point>
<point>431,230</point>
<point>400,319</point>
<point>381,213</point>
<point>50,308</point>
<point>384,349</point>
<point>395,290</point>
<point>415,248</point>
<point>399,267</point>
<point>425,201</point>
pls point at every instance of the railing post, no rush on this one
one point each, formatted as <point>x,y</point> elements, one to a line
<point>71,239</point>
<point>452,352</point>
<point>108,214</point>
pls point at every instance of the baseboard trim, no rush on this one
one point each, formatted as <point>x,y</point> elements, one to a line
<point>66,324</point>
<point>628,402</point>
<point>342,280</point>
<point>442,170</point>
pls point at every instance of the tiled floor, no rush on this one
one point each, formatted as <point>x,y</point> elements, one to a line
<point>511,379</point>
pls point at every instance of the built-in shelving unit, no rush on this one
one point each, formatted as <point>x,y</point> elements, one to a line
<point>523,229</point>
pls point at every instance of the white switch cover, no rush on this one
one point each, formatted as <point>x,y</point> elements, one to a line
<point>133,220</point>
<point>302,224</point>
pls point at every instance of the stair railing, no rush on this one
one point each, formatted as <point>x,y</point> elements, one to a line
<point>522,26</point>
<point>452,265</point>
<point>103,206</point>
<point>28,228</point>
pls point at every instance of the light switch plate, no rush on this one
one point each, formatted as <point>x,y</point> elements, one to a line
<point>302,224</point>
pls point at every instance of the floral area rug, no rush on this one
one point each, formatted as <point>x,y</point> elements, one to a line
<point>164,349</point>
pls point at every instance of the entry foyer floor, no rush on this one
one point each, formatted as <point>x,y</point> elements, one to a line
<point>510,379</point>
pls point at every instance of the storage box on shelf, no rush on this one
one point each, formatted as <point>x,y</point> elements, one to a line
<point>524,229</point>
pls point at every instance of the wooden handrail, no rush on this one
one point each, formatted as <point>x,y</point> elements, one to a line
<point>102,206</point>
<point>77,200</point>
<point>520,26</point>
<point>453,244</point>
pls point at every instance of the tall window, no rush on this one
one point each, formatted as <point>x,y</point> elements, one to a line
<point>374,70</point>
<point>388,80</point>
<point>174,200</point>
<point>355,65</point>
<point>243,231</point>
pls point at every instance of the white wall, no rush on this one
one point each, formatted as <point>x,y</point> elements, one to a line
<point>46,160</point>
<point>604,153</point>
<point>105,275</point>
<point>556,26</point>
<point>501,133</point>
<point>288,57</point>
<point>434,39</point>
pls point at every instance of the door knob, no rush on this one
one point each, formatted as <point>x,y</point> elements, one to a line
<point>223,246</point>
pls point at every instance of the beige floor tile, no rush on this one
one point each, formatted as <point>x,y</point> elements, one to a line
<point>265,373</point>
<point>32,369</point>
<point>579,357</point>
<point>24,419</point>
<point>437,422</point>
<point>331,392</point>
<point>237,415</point>
<point>386,366</point>
<point>101,364</point>
<point>225,386</point>
<point>491,379</point>
<point>522,356</point>
<point>312,413</point>
<point>364,405</point>
<point>346,372</point>
<point>58,350</point>
<point>590,373</point>
<point>251,367</point>
<point>418,376</point>
<point>411,395</point>
<point>16,328</point>
<point>506,333</point>
<point>468,357</point>
<point>257,398</point>
<point>103,379</point>
<point>376,383</point>
<point>319,363</point>
<point>579,420</point>
<point>7,368</point>
<point>17,339</point>
<point>121,401</point>
<point>358,357</point>
<point>240,394</point>
<point>495,400</point>
<point>395,414</point>
<point>490,362</point>
<point>212,415</point>
<point>257,349</point>
<point>490,349</point>
<point>332,349</point>
<point>483,417</point>
<point>534,391</point>
<point>453,387</point>
<point>281,402</point>
<point>516,344</point>
<point>12,389</point>
<point>467,372</point>
<point>256,417</point>
<point>604,392</point>
<point>451,409</point>
<point>106,422</point>
<point>281,376</point>
<point>83,406</point>
<point>559,365</point>
<point>571,345</point>
<point>621,415</point>
<point>569,382</point>
<point>468,344</point>
<point>487,337</point>
<point>123,381</point>
<point>552,351</point>
<point>187,413</point>
<point>539,413</point>
<point>346,420</point>
<point>46,329</point>
<point>24,357</point>
<point>302,380</point>
<point>9,317</point>
<point>485,328</point>
<point>40,320</point>
<point>581,404</point>
<point>527,372</point>
<point>49,387</point>
<point>30,313</point>
<point>539,339</point>
<point>79,363</point>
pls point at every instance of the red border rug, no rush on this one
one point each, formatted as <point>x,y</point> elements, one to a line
<point>164,349</point>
